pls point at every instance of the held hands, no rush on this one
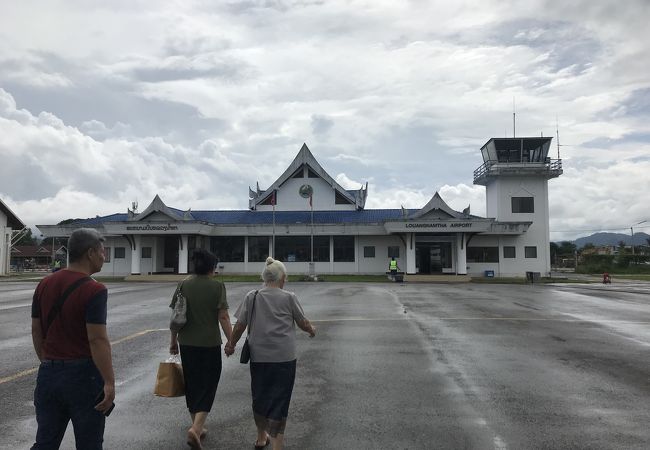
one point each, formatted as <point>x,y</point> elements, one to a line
<point>229,348</point>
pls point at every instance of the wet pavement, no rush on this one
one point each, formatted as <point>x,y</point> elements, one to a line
<point>395,366</point>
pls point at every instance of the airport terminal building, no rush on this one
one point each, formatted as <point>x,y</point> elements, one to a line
<point>314,225</point>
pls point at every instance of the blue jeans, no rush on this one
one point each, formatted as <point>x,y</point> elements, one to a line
<point>67,390</point>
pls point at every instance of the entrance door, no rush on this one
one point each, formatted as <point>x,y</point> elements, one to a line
<point>432,257</point>
<point>171,253</point>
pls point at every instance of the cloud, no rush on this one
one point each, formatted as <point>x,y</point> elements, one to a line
<point>223,94</point>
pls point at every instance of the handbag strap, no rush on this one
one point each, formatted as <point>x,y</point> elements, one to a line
<point>58,306</point>
<point>250,315</point>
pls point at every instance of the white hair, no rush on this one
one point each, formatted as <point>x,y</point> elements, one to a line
<point>273,271</point>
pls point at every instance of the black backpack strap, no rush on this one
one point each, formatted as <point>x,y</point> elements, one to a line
<point>250,316</point>
<point>58,306</point>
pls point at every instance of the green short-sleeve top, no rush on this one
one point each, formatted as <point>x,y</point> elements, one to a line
<point>205,297</point>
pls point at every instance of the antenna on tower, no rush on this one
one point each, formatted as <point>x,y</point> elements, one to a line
<point>514,128</point>
<point>134,206</point>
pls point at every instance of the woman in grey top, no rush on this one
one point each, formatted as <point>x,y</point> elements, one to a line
<point>272,341</point>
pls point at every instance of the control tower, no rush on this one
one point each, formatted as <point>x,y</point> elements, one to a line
<point>515,173</point>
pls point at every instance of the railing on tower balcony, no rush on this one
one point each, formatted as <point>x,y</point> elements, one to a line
<point>550,167</point>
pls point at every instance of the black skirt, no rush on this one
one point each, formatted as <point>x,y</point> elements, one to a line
<point>201,371</point>
<point>272,386</point>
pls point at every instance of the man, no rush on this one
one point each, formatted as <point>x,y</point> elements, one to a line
<point>75,379</point>
<point>392,266</point>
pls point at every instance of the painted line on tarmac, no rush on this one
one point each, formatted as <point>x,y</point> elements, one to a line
<point>24,373</point>
<point>27,372</point>
<point>532,319</point>
<point>138,334</point>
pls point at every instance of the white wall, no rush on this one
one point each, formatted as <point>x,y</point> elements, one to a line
<point>117,267</point>
<point>537,235</point>
<point>378,264</point>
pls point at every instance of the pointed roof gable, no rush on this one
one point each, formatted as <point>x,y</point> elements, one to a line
<point>158,206</point>
<point>305,157</point>
<point>12,220</point>
<point>437,204</point>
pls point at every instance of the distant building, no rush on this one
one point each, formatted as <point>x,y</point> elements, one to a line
<point>9,222</point>
<point>37,257</point>
<point>305,216</point>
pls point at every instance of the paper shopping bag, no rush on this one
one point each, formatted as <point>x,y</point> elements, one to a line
<point>169,381</point>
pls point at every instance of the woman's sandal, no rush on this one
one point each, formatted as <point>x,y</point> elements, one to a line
<point>193,440</point>
<point>259,447</point>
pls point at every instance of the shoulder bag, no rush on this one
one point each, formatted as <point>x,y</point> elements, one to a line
<point>179,311</point>
<point>58,306</point>
<point>245,356</point>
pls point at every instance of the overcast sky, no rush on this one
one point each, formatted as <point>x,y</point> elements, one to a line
<point>104,103</point>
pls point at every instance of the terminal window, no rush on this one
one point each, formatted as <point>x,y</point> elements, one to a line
<point>120,253</point>
<point>509,252</point>
<point>146,252</point>
<point>530,252</point>
<point>523,205</point>
<point>343,248</point>
<point>482,254</point>
<point>298,248</point>
<point>393,251</point>
<point>258,248</point>
<point>228,248</point>
<point>369,251</point>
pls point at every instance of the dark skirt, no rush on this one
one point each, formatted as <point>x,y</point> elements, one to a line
<point>201,371</point>
<point>272,385</point>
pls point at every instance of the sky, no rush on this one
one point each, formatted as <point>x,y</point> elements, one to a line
<point>106,103</point>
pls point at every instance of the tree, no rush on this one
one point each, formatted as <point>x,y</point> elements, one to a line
<point>26,239</point>
<point>554,252</point>
<point>56,241</point>
<point>567,248</point>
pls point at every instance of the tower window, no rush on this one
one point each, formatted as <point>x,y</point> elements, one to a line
<point>530,252</point>
<point>523,204</point>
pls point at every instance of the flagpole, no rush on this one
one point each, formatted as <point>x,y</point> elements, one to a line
<point>311,205</point>
<point>273,240</point>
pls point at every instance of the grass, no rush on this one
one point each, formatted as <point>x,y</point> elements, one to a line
<point>639,276</point>
<point>522,280</point>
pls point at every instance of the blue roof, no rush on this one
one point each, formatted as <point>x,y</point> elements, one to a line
<point>247,217</point>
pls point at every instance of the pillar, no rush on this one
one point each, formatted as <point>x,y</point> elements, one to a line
<point>331,254</point>
<point>182,254</point>
<point>410,253</point>
<point>136,253</point>
<point>461,254</point>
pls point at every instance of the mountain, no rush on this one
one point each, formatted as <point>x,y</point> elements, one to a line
<point>599,239</point>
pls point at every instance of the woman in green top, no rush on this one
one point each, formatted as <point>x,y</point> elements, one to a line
<point>200,340</point>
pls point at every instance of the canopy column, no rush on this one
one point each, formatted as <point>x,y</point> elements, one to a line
<point>461,254</point>
<point>410,254</point>
<point>182,253</point>
<point>135,254</point>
